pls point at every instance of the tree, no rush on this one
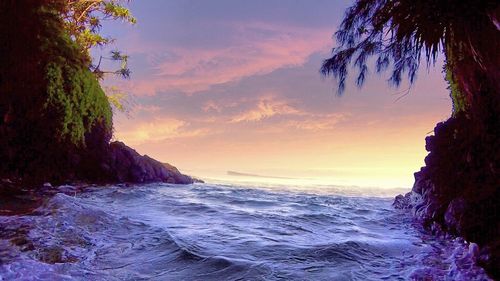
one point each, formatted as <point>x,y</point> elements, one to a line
<point>83,21</point>
<point>400,32</point>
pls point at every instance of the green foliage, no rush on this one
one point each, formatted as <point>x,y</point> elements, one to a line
<point>77,96</point>
<point>459,101</point>
<point>73,95</point>
<point>55,121</point>
<point>83,20</point>
<point>123,71</point>
<point>118,99</point>
<point>399,32</point>
<point>87,39</point>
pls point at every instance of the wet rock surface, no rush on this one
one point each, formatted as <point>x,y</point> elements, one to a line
<point>458,191</point>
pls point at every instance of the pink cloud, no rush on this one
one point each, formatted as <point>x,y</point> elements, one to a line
<point>156,130</point>
<point>146,108</point>
<point>266,107</point>
<point>318,123</point>
<point>211,106</point>
<point>196,69</point>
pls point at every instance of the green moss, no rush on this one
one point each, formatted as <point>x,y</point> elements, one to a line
<point>458,99</point>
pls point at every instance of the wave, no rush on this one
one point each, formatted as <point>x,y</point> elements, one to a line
<point>69,234</point>
<point>220,232</point>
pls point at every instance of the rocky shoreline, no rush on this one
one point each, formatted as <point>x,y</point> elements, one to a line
<point>457,193</point>
<point>121,165</point>
<point>126,165</point>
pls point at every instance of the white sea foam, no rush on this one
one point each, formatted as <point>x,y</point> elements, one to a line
<point>226,232</point>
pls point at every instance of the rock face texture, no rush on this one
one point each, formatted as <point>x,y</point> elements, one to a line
<point>458,191</point>
<point>124,164</point>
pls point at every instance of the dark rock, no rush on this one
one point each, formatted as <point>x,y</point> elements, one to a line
<point>126,165</point>
<point>454,213</point>
<point>458,191</point>
<point>403,202</point>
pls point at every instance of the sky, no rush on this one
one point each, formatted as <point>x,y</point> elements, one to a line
<point>226,85</point>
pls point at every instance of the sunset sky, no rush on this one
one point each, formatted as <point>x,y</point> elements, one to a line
<point>235,85</point>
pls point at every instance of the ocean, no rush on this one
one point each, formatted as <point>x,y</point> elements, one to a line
<point>223,231</point>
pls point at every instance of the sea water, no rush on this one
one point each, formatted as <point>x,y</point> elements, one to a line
<point>227,232</point>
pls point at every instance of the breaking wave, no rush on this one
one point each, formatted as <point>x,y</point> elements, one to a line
<point>224,232</point>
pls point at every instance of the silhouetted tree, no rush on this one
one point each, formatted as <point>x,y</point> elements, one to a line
<point>400,33</point>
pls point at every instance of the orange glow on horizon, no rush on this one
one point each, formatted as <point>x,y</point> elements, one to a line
<point>222,92</point>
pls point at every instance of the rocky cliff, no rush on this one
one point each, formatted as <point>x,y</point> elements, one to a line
<point>458,191</point>
<point>55,120</point>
